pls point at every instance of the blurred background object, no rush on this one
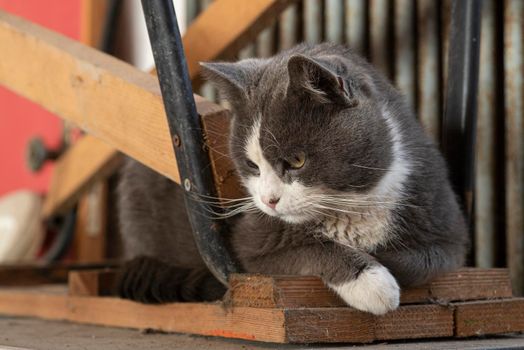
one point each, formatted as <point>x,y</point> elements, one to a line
<point>21,234</point>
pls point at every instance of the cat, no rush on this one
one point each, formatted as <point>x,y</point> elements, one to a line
<point>343,183</point>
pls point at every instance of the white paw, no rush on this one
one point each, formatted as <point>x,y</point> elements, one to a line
<point>375,290</point>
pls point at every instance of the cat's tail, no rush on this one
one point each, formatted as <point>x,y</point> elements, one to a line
<point>149,280</point>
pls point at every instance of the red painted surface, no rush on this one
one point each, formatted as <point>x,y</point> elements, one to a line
<point>20,119</point>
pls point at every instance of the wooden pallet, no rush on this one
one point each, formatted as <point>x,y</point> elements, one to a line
<point>287,309</point>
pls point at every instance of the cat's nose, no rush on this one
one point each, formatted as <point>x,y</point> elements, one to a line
<point>270,201</point>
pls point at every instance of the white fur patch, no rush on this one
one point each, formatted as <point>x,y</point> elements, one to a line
<point>392,184</point>
<point>375,290</point>
<point>268,184</point>
<point>365,230</point>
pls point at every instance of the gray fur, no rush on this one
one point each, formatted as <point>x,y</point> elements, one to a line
<point>328,101</point>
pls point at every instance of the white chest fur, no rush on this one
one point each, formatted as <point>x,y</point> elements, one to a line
<point>365,231</point>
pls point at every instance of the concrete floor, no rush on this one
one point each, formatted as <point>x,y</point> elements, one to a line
<point>23,333</point>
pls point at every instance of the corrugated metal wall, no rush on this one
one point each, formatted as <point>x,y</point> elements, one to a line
<point>408,40</point>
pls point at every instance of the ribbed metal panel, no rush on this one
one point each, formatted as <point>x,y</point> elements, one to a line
<point>312,18</point>
<point>429,87</point>
<point>514,108</point>
<point>334,21</point>
<point>379,47</point>
<point>404,70</point>
<point>356,25</point>
<point>485,172</point>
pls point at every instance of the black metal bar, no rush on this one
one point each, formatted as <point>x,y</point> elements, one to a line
<point>460,115</point>
<point>186,133</point>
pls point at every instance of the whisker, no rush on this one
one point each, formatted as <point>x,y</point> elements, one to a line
<point>368,167</point>
<point>364,204</point>
<point>338,209</point>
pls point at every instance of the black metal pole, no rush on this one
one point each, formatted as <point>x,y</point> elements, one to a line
<point>186,133</point>
<point>460,115</point>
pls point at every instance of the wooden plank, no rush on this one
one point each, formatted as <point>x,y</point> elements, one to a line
<point>280,291</point>
<point>274,325</point>
<point>92,23</point>
<point>310,291</point>
<point>415,321</point>
<point>77,170</point>
<point>212,320</point>
<point>245,23</point>
<point>472,284</point>
<point>328,325</point>
<point>216,136</point>
<point>106,97</point>
<point>30,275</point>
<point>208,38</point>
<point>296,325</point>
<point>92,283</point>
<point>489,317</point>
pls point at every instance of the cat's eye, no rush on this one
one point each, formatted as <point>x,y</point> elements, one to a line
<point>251,164</point>
<point>297,161</point>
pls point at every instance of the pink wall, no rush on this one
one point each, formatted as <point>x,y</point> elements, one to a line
<point>20,119</point>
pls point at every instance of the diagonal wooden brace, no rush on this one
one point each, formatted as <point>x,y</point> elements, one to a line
<point>71,77</point>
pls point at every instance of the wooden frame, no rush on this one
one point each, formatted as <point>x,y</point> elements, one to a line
<point>206,39</point>
<point>287,309</point>
<point>106,97</point>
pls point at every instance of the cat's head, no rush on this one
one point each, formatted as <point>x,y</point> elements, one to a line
<point>308,133</point>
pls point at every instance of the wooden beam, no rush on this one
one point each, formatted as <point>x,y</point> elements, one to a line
<point>31,275</point>
<point>209,38</point>
<point>289,292</point>
<point>270,325</point>
<point>106,97</point>
<point>489,317</point>
<point>79,168</point>
<point>465,284</point>
<point>324,325</point>
<point>280,291</point>
<point>415,321</point>
<point>216,136</point>
<point>212,320</point>
<point>94,15</point>
<point>205,40</point>
<point>292,323</point>
<point>309,291</point>
<point>343,324</point>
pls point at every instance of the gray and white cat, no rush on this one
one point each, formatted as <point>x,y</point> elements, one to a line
<point>343,183</point>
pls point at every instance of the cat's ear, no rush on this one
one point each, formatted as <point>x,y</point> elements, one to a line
<point>233,80</point>
<point>316,78</point>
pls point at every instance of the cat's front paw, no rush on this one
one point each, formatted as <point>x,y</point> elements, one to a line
<point>375,290</point>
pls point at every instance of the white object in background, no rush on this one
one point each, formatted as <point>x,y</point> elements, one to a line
<point>21,233</point>
<point>136,40</point>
